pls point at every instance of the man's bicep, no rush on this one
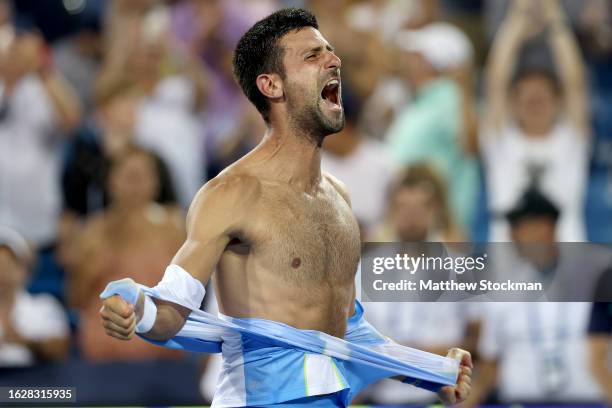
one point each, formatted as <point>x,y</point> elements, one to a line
<point>214,214</point>
<point>200,258</point>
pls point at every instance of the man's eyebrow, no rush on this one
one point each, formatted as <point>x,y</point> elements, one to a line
<point>319,48</point>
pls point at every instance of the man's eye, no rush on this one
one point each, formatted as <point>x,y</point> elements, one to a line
<point>311,56</point>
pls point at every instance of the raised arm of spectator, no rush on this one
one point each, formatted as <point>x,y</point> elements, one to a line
<point>569,64</point>
<point>463,75</point>
<point>504,53</point>
<point>64,99</point>
<point>32,56</point>
<point>195,70</point>
<point>120,45</point>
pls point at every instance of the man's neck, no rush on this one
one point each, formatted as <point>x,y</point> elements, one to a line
<point>293,157</point>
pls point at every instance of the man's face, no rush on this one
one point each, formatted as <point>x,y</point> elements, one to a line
<point>312,84</point>
<point>412,214</point>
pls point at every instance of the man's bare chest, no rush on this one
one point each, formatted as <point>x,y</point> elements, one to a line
<point>306,238</point>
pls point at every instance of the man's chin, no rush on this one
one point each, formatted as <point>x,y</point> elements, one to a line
<point>333,122</point>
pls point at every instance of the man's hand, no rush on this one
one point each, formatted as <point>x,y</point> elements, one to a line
<point>119,318</point>
<point>460,391</point>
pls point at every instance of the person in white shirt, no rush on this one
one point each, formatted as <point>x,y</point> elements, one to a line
<point>535,351</point>
<point>173,86</point>
<point>32,327</point>
<point>536,120</point>
<point>36,107</point>
<point>419,212</point>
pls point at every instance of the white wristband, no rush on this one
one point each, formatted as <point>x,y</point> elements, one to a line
<point>180,287</point>
<point>149,314</point>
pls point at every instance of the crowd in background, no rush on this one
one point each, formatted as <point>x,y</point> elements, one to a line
<point>480,120</point>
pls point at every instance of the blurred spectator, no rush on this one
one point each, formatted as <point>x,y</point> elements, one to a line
<point>78,58</point>
<point>536,125</point>
<point>419,213</point>
<point>600,336</point>
<point>36,107</point>
<point>32,327</point>
<point>241,138</point>
<point>107,135</point>
<point>362,165</point>
<point>140,55</point>
<point>418,209</point>
<point>495,11</point>
<point>387,18</point>
<point>594,31</point>
<point>210,31</point>
<point>231,125</point>
<point>431,128</point>
<point>134,237</point>
<point>535,352</point>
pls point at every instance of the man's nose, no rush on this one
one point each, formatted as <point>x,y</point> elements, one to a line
<point>333,61</point>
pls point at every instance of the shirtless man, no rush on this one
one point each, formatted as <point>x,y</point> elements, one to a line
<point>279,232</point>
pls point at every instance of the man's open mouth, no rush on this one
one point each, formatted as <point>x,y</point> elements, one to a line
<point>331,94</point>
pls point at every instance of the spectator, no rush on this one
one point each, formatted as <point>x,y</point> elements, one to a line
<point>535,124</point>
<point>173,87</point>
<point>36,107</point>
<point>419,213</point>
<point>419,210</point>
<point>387,18</point>
<point>535,352</point>
<point>133,237</point>
<point>210,30</point>
<point>78,58</point>
<point>430,129</point>
<point>106,136</point>
<point>362,165</point>
<point>32,327</point>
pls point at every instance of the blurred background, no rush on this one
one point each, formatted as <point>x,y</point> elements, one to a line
<point>471,120</point>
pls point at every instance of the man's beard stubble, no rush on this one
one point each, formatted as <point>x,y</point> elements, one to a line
<point>312,122</point>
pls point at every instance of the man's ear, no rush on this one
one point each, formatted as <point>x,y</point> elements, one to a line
<point>270,85</point>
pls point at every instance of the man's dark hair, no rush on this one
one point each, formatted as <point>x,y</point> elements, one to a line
<point>258,51</point>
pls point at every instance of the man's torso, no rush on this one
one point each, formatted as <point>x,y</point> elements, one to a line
<point>294,259</point>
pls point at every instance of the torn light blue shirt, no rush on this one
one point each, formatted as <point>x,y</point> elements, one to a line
<point>267,362</point>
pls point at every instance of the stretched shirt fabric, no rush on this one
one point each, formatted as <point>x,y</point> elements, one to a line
<point>267,362</point>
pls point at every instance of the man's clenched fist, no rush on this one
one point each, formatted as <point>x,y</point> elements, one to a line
<point>460,391</point>
<point>119,318</point>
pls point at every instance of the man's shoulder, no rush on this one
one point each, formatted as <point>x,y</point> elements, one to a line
<point>230,188</point>
<point>338,185</point>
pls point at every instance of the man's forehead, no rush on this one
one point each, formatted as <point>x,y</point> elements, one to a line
<point>303,38</point>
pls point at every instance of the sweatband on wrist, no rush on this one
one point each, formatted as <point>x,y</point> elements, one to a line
<point>149,314</point>
<point>180,287</point>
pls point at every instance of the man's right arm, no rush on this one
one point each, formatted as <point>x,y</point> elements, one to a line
<point>218,210</point>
